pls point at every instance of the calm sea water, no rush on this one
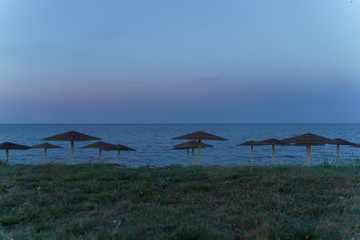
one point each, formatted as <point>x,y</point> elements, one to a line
<point>153,143</point>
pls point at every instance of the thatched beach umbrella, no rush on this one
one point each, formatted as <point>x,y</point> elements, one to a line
<point>45,146</point>
<point>190,145</point>
<point>338,142</point>
<point>273,142</point>
<point>250,143</point>
<point>71,136</point>
<point>199,135</point>
<point>13,146</point>
<point>100,145</point>
<point>308,140</point>
<point>118,148</point>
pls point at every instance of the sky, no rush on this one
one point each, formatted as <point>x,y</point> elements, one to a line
<point>162,61</point>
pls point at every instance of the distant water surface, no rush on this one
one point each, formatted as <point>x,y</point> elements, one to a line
<point>153,143</point>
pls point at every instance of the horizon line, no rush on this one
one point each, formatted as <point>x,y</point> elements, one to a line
<point>195,123</point>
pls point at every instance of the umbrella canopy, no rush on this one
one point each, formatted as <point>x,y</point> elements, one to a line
<point>190,145</point>
<point>273,142</point>
<point>71,136</point>
<point>308,140</point>
<point>45,146</point>
<point>250,143</point>
<point>199,135</point>
<point>13,146</point>
<point>99,145</point>
<point>338,142</point>
<point>118,148</point>
<point>303,144</point>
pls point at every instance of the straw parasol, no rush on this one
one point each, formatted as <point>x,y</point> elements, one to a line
<point>199,135</point>
<point>118,148</point>
<point>308,140</point>
<point>71,136</point>
<point>99,145</point>
<point>338,142</point>
<point>13,146</point>
<point>190,145</point>
<point>273,142</point>
<point>45,146</point>
<point>250,143</point>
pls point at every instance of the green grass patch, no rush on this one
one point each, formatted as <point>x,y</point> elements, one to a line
<point>114,202</point>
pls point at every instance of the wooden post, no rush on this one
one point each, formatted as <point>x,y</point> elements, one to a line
<point>45,156</point>
<point>338,154</point>
<point>252,155</point>
<point>193,159</point>
<point>99,155</point>
<point>308,150</point>
<point>118,157</point>
<point>7,156</point>
<point>273,155</point>
<point>72,152</point>
<point>199,152</point>
<point>188,156</point>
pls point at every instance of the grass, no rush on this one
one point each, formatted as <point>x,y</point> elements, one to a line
<point>114,202</point>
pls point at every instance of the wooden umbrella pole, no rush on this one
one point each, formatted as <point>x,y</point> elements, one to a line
<point>99,155</point>
<point>118,157</point>
<point>252,155</point>
<point>45,156</point>
<point>308,155</point>
<point>338,154</point>
<point>188,156</point>
<point>7,156</point>
<point>199,152</point>
<point>193,158</point>
<point>273,155</point>
<point>72,152</point>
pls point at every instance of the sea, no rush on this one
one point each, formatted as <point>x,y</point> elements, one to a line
<point>153,143</point>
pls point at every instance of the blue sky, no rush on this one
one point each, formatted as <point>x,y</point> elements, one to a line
<point>234,61</point>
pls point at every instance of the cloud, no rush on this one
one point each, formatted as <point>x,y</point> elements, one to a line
<point>138,85</point>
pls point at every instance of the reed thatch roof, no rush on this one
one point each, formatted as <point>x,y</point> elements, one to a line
<point>10,145</point>
<point>119,148</point>
<point>305,144</point>
<point>272,141</point>
<point>46,145</point>
<point>339,141</point>
<point>71,136</point>
<point>249,143</point>
<point>199,135</point>
<point>98,145</point>
<point>308,139</point>
<point>190,144</point>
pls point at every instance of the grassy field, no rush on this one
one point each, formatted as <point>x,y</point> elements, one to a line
<point>114,202</point>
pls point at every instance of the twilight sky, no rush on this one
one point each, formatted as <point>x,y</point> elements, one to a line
<point>162,61</point>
